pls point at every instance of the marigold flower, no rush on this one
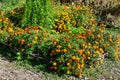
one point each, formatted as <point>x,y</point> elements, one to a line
<point>54,64</point>
<point>68,72</point>
<point>35,38</point>
<point>80,51</point>
<point>102,25</point>
<point>73,57</point>
<point>58,46</point>
<point>58,50</point>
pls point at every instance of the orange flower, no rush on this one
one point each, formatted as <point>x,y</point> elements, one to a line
<point>82,65</point>
<point>55,68</point>
<point>102,25</point>
<point>66,40</point>
<point>111,40</point>
<point>116,50</point>
<point>54,42</point>
<point>22,42</point>
<point>78,59</point>
<point>69,46</point>
<point>65,50</point>
<point>80,51</point>
<point>36,31</point>
<point>58,50</point>
<point>84,56</point>
<point>58,46</point>
<point>44,38</point>
<point>28,44</point>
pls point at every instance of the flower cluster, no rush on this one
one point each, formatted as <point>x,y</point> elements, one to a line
<point>69,18</point>
<point>74,53</point>
<point>67,53</point>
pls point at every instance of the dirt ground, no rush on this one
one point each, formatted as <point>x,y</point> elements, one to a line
<point>9,71</point>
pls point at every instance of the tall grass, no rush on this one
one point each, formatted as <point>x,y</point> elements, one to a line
<point>38,12</point>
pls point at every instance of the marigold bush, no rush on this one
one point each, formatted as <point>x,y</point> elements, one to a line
<point>73,18</point>
<point>66,51</point>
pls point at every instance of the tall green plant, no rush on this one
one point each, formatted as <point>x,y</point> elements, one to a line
<point>38,12</point>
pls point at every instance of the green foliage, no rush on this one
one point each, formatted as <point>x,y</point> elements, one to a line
<point>38,12</point>
<point>8,5</point>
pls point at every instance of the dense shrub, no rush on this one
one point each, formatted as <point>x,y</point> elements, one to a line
<point>76,42</point>
<point>73,18</point>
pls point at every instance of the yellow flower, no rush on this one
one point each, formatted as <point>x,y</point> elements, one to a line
<point>101,61</point>
<point>10,30</point>
<point>111,40</point>
<point>68,72</point>
<point>68,64</point>
<point>54,64</point>
<point>73,58</point>
<point>88,52</point>
<point>116,57</point>
<point>88,57</point>
<point>78,66</point>
<point>34,42</point>
<point>98,36</point>
<point>35,37</point>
